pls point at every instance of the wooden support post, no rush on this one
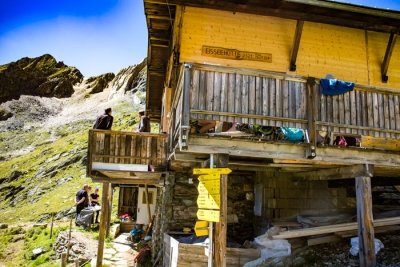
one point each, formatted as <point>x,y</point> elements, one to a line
<point>365,221</point>
<point>311,112</point>
<point>296,45</point>
<point>63,259</point>
<point>109,202</point>
<point>221,161</point>
<point>388,54</point>
<point>146,191</point>
<point>103,223</point>
<point>185,126</point>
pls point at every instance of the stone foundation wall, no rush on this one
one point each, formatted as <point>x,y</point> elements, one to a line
<point>286,197</point>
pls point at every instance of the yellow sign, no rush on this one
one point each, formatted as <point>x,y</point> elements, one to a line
<point>201,228</point>
<point>218,171</point>
<point>220,52</point>
<point>208,201</point>
<point>206,177</point>
<point>209,187</point>
<point>208,215</point>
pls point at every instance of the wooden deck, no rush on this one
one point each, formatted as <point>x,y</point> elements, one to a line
<point>126,157</point>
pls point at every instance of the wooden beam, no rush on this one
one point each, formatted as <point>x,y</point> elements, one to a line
<point>103,224</point>
<point>388,55</point>
<point>296,45</point>
<point>365,222</point>
<point>380,143</point>
<point>321,230</point>
<point>337,173</point>
<point>221,161</point>
<point>126,181</point>
<point>286,151</point>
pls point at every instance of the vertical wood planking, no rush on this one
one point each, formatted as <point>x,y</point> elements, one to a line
<point>376,116</point>
<point>224,94</point>
<point>271,91</point>
<point>299,103</point>
<point>268,106</point>
<point>133,150</point>
<point>370,108</point>
<point>278,100</point>
<point>347,120</point>
<point>202,93</point>
<point>381,115</point>
<point>365,110</point>
<point>209,93</point>
<point>252,97</point>
<point>128,151</point>
<point>341,112</point>
<point>138,149</point>
<point>386,112</point>
<point>238,95</point>
<point>217,95</point>
<point>359,109</point>
<point>259,100</point>
<point>231,95</point>
<point>285,101</point>
<point>353,110</point>
<point>397,111</point>
<point>194,92</point>
<point>321,112</point>
<point>335,112</point>
<point>245,97</point>
<point>391,115</point>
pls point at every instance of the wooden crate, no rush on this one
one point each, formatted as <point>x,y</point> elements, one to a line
<point>177,254</point>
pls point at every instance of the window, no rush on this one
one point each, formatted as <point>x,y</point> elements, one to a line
<point>151,197</point>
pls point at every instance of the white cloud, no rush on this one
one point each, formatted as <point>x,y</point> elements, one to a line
<point>94,45</point>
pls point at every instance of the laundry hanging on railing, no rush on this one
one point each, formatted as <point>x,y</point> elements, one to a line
<point>335,87</point>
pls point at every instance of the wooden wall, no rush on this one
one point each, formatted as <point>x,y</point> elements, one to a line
<point>256,98</point>
<point>348,54</point>
<point>253,95</point>
<point>371,113</point>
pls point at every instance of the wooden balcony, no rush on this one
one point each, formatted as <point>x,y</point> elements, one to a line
<point>214,93</point>
<point>126,157</point>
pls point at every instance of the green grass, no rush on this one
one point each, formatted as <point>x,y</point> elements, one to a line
<point>33,238</point>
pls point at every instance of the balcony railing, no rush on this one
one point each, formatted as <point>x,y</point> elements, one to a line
<point>272,99</point>
<point>119,152</point>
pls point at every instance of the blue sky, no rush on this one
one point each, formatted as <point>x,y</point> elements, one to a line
<point>96,36</point>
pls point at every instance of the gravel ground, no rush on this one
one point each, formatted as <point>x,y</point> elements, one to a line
<point>337,254</point>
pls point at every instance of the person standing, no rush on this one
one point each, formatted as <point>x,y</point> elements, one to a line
<point>144,124</point>
<point>81,200</point>
<point>94,197</point>
<point>104,121</point>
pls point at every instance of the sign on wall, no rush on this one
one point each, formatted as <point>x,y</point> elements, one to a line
<point>220,52</point>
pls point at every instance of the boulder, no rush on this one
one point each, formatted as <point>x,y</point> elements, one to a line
<point>3,226</point>
<point>37,252</point>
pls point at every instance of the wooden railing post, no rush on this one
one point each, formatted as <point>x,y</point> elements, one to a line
<point>311,116</point>
<point>185,122</point>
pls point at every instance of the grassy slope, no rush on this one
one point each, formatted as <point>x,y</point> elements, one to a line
<point>71,141</point>
<point>68,141</point>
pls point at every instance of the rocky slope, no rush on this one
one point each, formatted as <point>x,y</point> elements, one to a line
<point>41,76</point>
<point>43,140</point>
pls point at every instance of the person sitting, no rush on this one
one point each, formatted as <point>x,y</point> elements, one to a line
<point>144,124</point>
<point>81,200</point>
<point>104,121</point>
<point>94,199</point>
